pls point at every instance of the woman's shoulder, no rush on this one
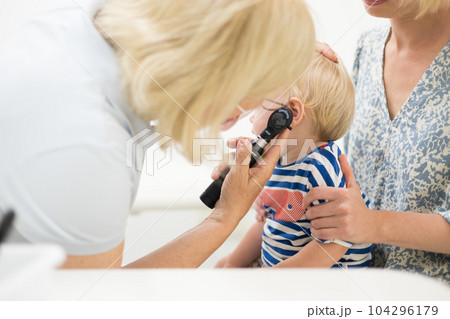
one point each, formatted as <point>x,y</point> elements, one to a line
<point>374,36</point>
<point>369,50</point>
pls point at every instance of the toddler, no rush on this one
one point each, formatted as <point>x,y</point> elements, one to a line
<point>322,103</point>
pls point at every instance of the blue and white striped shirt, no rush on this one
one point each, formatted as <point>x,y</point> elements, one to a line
<point>286,229</point>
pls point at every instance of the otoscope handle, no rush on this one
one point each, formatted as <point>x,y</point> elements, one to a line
<point>212,194</point>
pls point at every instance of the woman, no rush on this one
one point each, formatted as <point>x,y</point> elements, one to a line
<point>74,90</point>
<point>399,143</point>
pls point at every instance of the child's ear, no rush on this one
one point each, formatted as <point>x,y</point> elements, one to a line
<point>298,110</point>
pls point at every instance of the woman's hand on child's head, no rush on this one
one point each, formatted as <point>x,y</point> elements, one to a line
<point>327,51</point>
<point>345,215</point>
<point>242,184</point>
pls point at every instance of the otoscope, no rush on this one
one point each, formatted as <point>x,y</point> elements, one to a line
<point>278,121</point>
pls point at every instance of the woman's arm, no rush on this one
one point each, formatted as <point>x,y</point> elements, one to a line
<point>345,216</point>
<point>239,190</point>
<point>315,255</point>
<point>191,249</point>
<point>248,250</point>
<point>428,232</point>
<point>188,250</point>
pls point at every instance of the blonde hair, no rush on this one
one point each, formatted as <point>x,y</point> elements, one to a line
<point>189,62</point>
<point>328,95</point>
<point>426,6</point>
<point>431,6</point>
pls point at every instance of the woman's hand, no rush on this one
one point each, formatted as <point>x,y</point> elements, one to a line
<point>327,51</point>
<point>242,184</point>
<point>345,215</point>
<point>257,204</point>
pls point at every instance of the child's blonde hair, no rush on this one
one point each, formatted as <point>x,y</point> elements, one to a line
<point>194,61</point>
<point>328,95</point>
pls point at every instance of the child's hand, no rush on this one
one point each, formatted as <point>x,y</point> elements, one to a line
<point>258,207</point>
<point>222,262</point>
<point>225,262</point>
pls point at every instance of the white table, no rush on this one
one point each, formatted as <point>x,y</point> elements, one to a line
<point>245,284</point>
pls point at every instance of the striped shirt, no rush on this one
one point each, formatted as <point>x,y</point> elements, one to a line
<point>286,229</point>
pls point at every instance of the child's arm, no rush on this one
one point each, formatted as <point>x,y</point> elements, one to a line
<point>315,255</point>
<point>248,249</point>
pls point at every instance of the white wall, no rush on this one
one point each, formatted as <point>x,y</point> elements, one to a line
<point>15,12</point>
<point>338,23</point>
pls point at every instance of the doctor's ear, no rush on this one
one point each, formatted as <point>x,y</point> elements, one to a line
<point>298,110</point>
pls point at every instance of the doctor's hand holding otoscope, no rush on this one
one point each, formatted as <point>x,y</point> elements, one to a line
<point>249,173</point>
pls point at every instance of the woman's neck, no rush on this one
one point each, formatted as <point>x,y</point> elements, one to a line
<point>409,33</point>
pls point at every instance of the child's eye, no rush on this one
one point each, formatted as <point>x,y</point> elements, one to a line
<point>269,108</point>
<point>274,105</point>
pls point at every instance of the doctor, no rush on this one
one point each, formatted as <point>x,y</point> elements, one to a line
<point>78,81</point>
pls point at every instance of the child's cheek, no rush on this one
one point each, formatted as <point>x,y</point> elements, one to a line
<point>260,124</point>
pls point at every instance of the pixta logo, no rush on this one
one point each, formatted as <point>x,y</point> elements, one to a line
<point>151,146</point>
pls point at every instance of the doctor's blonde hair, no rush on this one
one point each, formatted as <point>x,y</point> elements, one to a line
<point>189,63</point>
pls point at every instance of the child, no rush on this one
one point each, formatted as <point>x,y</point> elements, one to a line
<point>323,106</point>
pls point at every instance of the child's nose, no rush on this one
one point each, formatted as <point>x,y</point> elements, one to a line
<point>252,117</point>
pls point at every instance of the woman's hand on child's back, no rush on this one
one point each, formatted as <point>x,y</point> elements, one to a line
<point>345,215</point>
